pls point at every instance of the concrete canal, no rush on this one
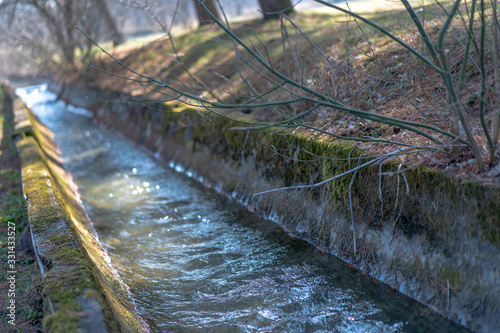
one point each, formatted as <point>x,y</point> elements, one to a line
<point>197,262</point>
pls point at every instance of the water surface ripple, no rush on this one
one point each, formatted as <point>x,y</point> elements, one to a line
<point>195,262</point>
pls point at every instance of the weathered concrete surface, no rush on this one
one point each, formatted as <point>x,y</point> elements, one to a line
<point>81,292</point>
<point>432,238</point>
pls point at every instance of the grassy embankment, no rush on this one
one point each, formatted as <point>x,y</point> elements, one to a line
<point>13,210</point>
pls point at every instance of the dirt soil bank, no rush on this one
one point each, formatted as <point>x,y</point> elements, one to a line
<point>427,235</point>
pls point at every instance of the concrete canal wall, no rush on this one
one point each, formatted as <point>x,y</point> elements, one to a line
<point>433,238</point>
<point>81,292</point>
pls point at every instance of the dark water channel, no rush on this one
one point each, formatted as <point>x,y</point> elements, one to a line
<point>196,262</point>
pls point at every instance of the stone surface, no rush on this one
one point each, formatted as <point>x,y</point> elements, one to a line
<point>81,292</point>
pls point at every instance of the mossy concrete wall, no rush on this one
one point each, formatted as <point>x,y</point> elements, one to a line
<point>433,238</point>
<point>81,292</point>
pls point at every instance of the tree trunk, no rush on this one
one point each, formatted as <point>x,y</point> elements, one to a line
<point>273,8</point>
<point>203,16</point>
<point>109,21</point>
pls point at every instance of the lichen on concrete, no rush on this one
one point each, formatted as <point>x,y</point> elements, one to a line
<point>81,292</point>
<point>423,233</point>
<point>68,273</point>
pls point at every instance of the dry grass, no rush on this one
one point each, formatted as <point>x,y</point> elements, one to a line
<point>351,75</point>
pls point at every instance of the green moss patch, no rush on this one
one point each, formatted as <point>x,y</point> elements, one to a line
<point>84,290</point>
<point>68,270</point>
<point>300,159</point>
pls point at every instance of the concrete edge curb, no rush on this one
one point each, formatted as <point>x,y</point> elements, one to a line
<point>441,250</point>
<point>68,285</point>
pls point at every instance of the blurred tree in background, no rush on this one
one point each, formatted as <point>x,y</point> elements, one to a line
<point>41,36</point>
<point>272,9</point>
<point>44,31</point>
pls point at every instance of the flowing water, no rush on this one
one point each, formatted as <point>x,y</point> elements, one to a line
<point>196,262</point>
